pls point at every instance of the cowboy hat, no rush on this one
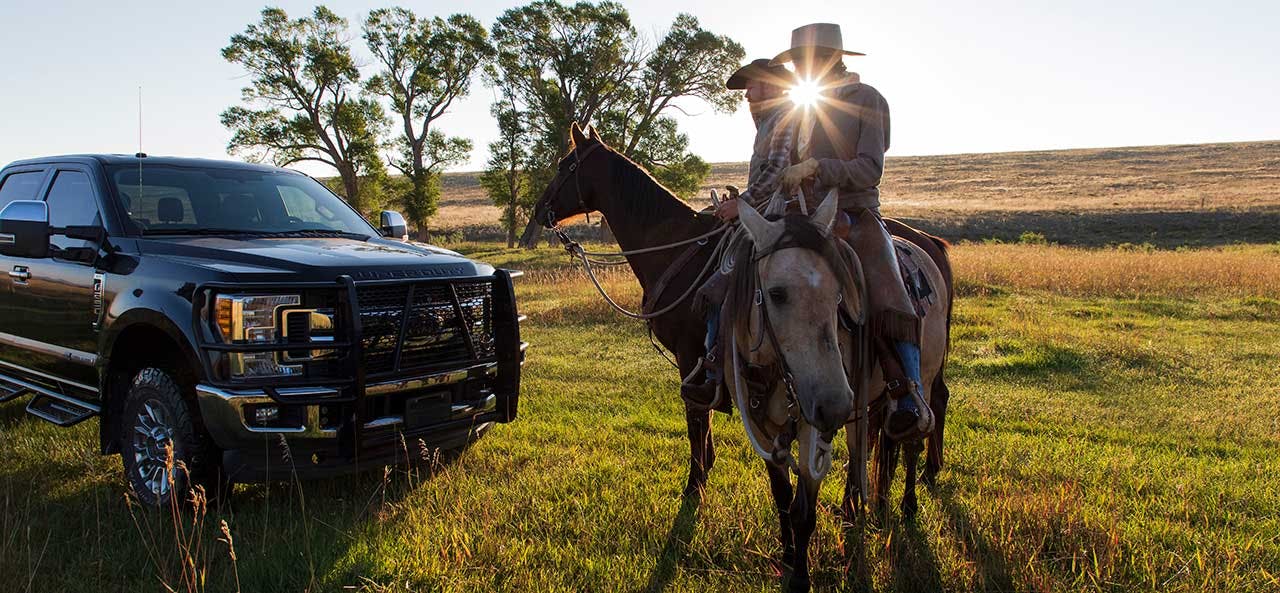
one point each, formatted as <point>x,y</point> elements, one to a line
<point>814,36</point>
<point>761,69</point>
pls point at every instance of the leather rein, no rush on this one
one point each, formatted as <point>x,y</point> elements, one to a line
<point>694,245</point>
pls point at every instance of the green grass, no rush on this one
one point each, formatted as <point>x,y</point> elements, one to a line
<point>1093,443</point>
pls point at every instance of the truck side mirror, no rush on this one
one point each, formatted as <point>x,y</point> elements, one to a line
<point>393,225</point>
<point>24,229</point>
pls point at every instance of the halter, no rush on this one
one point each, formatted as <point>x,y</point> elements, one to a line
<point>781,453</point>
<point>549,221</point>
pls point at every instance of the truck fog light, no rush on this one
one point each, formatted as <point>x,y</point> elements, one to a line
<point>266,414</point>
<point>261,364</point>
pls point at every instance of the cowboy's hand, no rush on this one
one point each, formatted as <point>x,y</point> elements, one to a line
<point>795,174</point>
<point>728,209</point>
<point>733,191</point>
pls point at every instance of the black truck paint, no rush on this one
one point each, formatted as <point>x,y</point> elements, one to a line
<point>421,346</point>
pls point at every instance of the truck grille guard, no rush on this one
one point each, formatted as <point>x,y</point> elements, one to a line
<point>350,343</point>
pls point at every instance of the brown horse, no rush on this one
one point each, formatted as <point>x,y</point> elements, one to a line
<point>643,214</point>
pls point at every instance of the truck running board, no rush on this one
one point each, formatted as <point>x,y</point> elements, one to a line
<point>63,410</point>
<point>10,391</point>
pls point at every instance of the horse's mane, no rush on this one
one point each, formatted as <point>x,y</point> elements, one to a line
<point>641,197</point>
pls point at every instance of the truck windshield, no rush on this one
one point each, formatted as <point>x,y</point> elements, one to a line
<point>174,200</point>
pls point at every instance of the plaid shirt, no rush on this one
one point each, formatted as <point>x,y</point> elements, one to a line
<point>782,126</point>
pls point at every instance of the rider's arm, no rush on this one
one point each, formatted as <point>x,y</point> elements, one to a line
<point>779,159</point>
<point>865,169</point>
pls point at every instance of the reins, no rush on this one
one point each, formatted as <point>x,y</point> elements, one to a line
<point>585,257</point>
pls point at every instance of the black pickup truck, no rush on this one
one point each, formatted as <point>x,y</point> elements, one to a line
<point>243,317</point>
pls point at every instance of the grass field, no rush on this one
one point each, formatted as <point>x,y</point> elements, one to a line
<point>1114,426</point>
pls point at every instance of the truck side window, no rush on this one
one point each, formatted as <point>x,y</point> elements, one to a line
<point>71,203</point>
<point>20,186</point>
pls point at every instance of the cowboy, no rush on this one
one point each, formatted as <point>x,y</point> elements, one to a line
<point>839,143</point>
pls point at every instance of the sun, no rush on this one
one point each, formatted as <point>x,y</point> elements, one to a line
<point>805,93</point>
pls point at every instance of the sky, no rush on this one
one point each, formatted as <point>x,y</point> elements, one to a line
<point>960,76</point>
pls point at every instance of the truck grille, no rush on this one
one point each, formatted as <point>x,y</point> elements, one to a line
<point>443,325</point>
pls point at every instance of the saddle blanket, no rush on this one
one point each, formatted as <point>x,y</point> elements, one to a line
<point>913,277</point>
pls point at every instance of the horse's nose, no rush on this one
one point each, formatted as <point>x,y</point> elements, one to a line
<point>829,414</point>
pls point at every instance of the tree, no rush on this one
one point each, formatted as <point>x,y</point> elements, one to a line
<point>425,64</point>
<point>303,102</point>
<point>585,63</point>
<point>505,178</point>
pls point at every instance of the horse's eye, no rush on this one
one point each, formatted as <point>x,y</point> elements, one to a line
<point>778,295</point>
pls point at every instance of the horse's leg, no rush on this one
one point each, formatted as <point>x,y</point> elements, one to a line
<point>911,458</point>
<point>780,487</point>
<point>937,403</point>
<point>804,516</point>
<point>701,453</point>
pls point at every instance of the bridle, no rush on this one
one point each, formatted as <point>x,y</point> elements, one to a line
<point>781,453</point>
<point>549,219</point>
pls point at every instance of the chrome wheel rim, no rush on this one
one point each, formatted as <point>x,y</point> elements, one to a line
<point>152,436</point>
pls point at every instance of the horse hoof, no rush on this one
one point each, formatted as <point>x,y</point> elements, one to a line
<point>796,584</point>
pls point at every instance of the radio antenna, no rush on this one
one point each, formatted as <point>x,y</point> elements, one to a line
<point>141,155</point>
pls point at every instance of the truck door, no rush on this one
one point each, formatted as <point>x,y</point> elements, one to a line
<point>18,183</point>
<point>54,307</point>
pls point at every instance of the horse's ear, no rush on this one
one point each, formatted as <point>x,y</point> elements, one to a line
<point>825,215</point>
<point>762,232</point>
<point>777,205</point>
<point>575,133</point>
<point>594,134</point>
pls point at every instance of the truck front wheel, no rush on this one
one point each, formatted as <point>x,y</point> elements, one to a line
<point>157,417</point>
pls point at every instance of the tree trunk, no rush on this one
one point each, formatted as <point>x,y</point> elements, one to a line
<point>351,185</point>
<point>606,234</point>
<point>423,234</point>
<point>511,215</point>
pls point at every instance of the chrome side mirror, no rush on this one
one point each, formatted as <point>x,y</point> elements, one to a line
<point>393,225</point>
<point>24,229</point>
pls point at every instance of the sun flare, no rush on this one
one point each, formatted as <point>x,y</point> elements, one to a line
<point>805,93</point>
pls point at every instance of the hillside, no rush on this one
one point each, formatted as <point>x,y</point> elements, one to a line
<point>1203,194</point>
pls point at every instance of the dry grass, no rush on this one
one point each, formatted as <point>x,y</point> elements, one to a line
<point>1131,273</point>
<point>1198,195</point>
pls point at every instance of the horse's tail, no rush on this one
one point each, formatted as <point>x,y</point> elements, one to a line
<point>940,393</point>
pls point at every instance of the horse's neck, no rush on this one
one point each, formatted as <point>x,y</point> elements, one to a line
<point>675,224</point>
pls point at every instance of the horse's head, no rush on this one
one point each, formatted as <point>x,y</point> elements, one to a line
<point>801,285</point>
<point>573,190</point>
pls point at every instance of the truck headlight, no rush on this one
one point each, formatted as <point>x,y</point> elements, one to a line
<point>254,319</point>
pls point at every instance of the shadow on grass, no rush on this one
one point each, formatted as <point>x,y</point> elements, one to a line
<point>76,499</point>
<point>678,539</point>
<point>991,565</point>
<point>915,566</point>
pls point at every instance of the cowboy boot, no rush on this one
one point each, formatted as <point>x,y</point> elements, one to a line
<point>907,414</point>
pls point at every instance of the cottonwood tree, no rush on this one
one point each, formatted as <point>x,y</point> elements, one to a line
<point>425,65</point>
<point>505,178</point>
<point>586,63</point>
<point>304,100</point>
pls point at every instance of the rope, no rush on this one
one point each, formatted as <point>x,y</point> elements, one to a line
<point>700,238</point>
<point>576,250</point>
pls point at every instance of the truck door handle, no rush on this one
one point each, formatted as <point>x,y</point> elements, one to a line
<point>20,274</point>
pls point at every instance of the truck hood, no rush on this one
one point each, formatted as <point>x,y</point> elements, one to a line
<point>313,259</point>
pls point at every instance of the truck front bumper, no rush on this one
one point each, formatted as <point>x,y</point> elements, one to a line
<point>306,440</point>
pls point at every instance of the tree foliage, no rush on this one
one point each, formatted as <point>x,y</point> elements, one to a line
<point>425,65</point>
<point>586,63</point>
<point>304,102</point>
<point>506,178</point>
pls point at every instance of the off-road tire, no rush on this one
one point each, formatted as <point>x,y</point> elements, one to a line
<point>154,404</point>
